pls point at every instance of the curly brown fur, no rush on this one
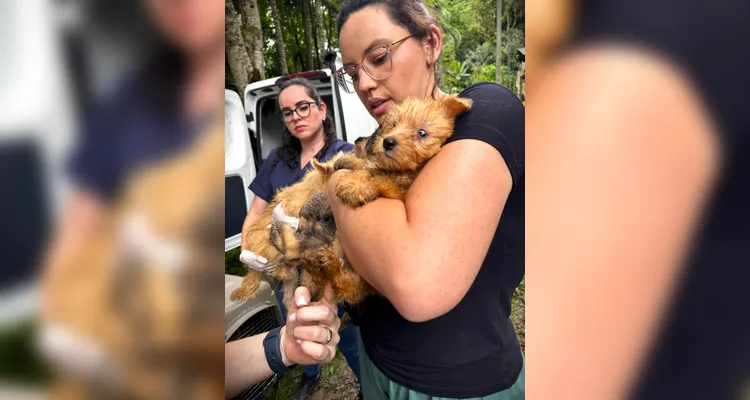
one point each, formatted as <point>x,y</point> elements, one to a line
<point>135,304</point>
<point>410,134</point>
<point>322,255</point>
<point>257,238</point>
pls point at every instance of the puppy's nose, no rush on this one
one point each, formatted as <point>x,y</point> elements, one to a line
<point>389,143</point>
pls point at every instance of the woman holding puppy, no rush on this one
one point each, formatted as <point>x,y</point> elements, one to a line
<point>309,133</point>
<point>444,260</point>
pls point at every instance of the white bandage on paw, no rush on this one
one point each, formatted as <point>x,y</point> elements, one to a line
<point>76,354</point>
<point>278,215</point>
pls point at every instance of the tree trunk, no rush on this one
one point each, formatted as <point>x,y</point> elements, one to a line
<point>329,29</point>
<point>308,33</point>
<point>499,49</point>
<point>236,53</point>
<point>320,28</point>
<point>253,38</point>
<point>279,37</point>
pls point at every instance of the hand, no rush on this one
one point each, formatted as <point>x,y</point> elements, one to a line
<point>278,215</point>
<point>304,338</point>
<point>255,261</point>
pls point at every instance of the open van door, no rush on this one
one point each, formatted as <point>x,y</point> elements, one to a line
<point>239,169</point>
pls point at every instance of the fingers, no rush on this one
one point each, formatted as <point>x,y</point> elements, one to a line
<point>319,352</point>
<point>255,261</point>
<point>316,333</point>
<point>320,314</point>
<point>328,296</point>
<point>301,297</point>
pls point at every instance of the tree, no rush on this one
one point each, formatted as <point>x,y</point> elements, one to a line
<point>236,53</point>
<point>253,36</point>
<point>279,37</point>
<point>319,29</point>
<point>308,33</point>
<point>499,51</point>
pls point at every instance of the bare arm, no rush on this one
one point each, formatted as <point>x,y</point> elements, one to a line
<point>423,254</point>
<point>83,213</point>
<point>256,209</point>
<point>245,359</point>
<point>621,157</point>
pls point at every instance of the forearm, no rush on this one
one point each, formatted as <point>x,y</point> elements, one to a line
<point>245,364</point>
<point>252,215</point>
<point>376,238</point>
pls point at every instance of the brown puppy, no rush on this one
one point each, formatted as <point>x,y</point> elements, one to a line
<point>118,308</point>
<point>319,252</point>
<point>384,164</point>
<point>256,238</point>
<point>410,135</point>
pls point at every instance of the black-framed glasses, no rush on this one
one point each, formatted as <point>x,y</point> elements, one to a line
<point>377,63</point>
<point>303,110</point>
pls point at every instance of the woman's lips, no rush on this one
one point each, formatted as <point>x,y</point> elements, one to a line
<point>300,127</point>
<point>380,108</point>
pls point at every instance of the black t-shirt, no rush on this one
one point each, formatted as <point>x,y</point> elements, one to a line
<point>472,350</point>
<point>703,350</point>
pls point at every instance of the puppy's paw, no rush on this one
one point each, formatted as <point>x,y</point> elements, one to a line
<point>349,162</point>
<point>355,192</point>
<point>249,288</point>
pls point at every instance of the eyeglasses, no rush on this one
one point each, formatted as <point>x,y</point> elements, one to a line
<point>377,63</point>
<point>303,110</point>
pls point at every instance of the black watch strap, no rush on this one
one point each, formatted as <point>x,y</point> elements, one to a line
<point>272,345</point>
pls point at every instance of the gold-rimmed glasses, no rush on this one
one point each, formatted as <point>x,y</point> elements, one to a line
<point>377,63</point>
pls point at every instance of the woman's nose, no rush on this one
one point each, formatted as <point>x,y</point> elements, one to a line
<point>365,83</point>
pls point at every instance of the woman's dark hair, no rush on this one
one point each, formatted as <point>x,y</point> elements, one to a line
<point>413,15</point>
<point>291,147</point>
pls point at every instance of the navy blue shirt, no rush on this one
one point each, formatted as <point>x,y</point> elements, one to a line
<point>275,174</point>
<point>138,123</point>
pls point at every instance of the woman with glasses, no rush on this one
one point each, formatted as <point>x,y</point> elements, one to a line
<point>309,133</point>
<point>444,260</point>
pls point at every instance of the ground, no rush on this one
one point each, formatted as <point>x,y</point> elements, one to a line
<point>338,381</point>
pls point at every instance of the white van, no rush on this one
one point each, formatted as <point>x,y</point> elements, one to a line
<point>254,130</point>
<point>251,133</point>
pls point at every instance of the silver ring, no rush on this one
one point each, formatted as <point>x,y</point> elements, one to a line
<point>330,336</point>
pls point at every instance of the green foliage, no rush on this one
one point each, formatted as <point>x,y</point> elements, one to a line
<point>469,46</point>
<point>232,263</point>
<point>470,42</point>
<point>20,361</point>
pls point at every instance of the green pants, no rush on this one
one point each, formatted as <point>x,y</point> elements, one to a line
<point>376,386</point>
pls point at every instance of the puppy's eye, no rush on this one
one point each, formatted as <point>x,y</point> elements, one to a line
<point>422,133</point>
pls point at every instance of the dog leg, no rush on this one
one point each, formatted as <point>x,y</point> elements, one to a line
<point>249,288</point>
<point>357,188</point>
<point>350,162</point>
<point>283,239</point>
<point>288,298</point>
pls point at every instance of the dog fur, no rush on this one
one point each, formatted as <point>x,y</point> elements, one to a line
<point>411,133</point>
<point>377,171</point>
<point>130,303</point>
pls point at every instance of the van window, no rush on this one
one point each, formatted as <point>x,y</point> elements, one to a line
<point>271,125</point>
<point>235,206</point>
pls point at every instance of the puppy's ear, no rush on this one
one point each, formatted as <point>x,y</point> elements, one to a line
<point>456,105</point>
<point>324,168</point>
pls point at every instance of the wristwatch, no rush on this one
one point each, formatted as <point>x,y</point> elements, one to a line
<point>272,346</point>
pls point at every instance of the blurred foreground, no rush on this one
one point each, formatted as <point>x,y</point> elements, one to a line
<point>125,311</point>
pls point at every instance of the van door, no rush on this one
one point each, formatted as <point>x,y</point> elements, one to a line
<point>239,169</point>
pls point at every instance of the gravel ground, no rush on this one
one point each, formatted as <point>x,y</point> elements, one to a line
<point>338,381</point>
